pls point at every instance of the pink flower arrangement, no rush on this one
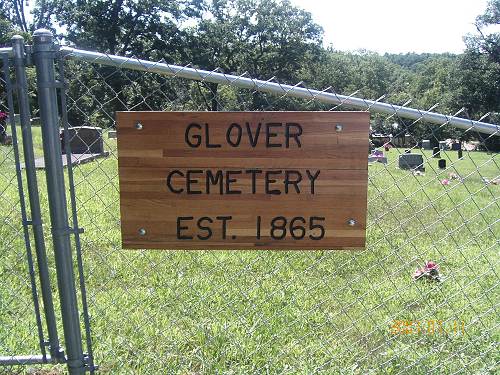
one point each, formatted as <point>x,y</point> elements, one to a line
<point>430,265</point>
<point>3,116</point>
<point>445,182</point>
<point>429,271</point>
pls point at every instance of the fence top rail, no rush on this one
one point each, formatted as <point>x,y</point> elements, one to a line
<point>6,50</point>
<point>279,89</point>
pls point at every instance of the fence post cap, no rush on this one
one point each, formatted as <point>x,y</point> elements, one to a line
<point>42,32</point>
<point>17,42</point>
<point>43,41</point>
<point>41,36</point>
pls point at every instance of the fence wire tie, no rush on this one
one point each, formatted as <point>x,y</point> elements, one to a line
<point>376,101</point>
<point>257,86</point>
<point>67,230</point>
<point>236,79</point>
<point>32,222</point>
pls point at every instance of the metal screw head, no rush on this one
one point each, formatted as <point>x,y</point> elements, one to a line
<point>142,232</point>
<point>138,126</point>
<point>351,222</point>
<point>339,127</point>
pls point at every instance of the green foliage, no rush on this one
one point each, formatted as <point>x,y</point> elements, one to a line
<point>260,37</point>
<point>477,83</point>
<point>484,42</point>
<point>124,27</point>
<point>8,30</point>
<point>235,35</point>
<point>412,60</point>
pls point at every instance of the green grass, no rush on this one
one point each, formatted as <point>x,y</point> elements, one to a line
<point>207,312</point>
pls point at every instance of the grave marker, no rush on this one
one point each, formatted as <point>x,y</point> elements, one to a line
<point>436,152</point>
<point>84,140</point>
<point>85,143</point>
<point>411,161</point>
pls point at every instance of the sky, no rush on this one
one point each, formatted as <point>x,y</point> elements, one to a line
<point>395,26</point>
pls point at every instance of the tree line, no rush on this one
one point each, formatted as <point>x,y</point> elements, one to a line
<point>263,39</point>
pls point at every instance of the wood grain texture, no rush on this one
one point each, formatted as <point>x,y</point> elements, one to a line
<point>203,167</point>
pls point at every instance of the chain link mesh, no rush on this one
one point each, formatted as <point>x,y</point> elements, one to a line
<point>241,312</point>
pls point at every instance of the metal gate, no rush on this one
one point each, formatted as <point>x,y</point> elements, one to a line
<point>230,312</point>
<point>15,61</point>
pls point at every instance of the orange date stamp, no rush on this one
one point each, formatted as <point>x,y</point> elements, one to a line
<point>427,327</point>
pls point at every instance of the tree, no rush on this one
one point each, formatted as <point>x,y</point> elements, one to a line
<point>15,12</point>
<point>9,28</point>
<point>264,38</point>
<point>478,71</point>
<point>124,27</point>
<point>484,42</point>
<point>146,29</point>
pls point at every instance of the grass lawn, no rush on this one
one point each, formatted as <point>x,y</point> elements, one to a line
<point>295,312</point>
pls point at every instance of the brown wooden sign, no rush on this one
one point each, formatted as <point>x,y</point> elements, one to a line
<point>243,180</point>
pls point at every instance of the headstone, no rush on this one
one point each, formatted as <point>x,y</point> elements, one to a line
<point>460,154</point>
<point>436,153</point>
<point>443,145</point>
<point>84,140</point>
<point>411,161</point>
<point>426,144</point>
<point>442,163</point>
<point>85,143</point>
<point>456,146</point>
<point>112,134</point>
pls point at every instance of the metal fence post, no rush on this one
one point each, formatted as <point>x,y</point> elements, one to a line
<point>44,51</point>
<point>56,351</point>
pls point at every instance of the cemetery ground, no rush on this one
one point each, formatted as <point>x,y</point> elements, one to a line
<point>240,312</point>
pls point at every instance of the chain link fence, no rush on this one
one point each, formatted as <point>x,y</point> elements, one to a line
<point>239,312</point>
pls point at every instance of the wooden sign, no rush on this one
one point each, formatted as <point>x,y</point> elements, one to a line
<point>243,180</point>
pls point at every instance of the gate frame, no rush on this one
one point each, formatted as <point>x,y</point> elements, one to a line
<point>44,54</point>
<point>56,352</point>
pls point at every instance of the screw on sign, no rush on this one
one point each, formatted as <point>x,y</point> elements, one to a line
<point>243,180</point>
